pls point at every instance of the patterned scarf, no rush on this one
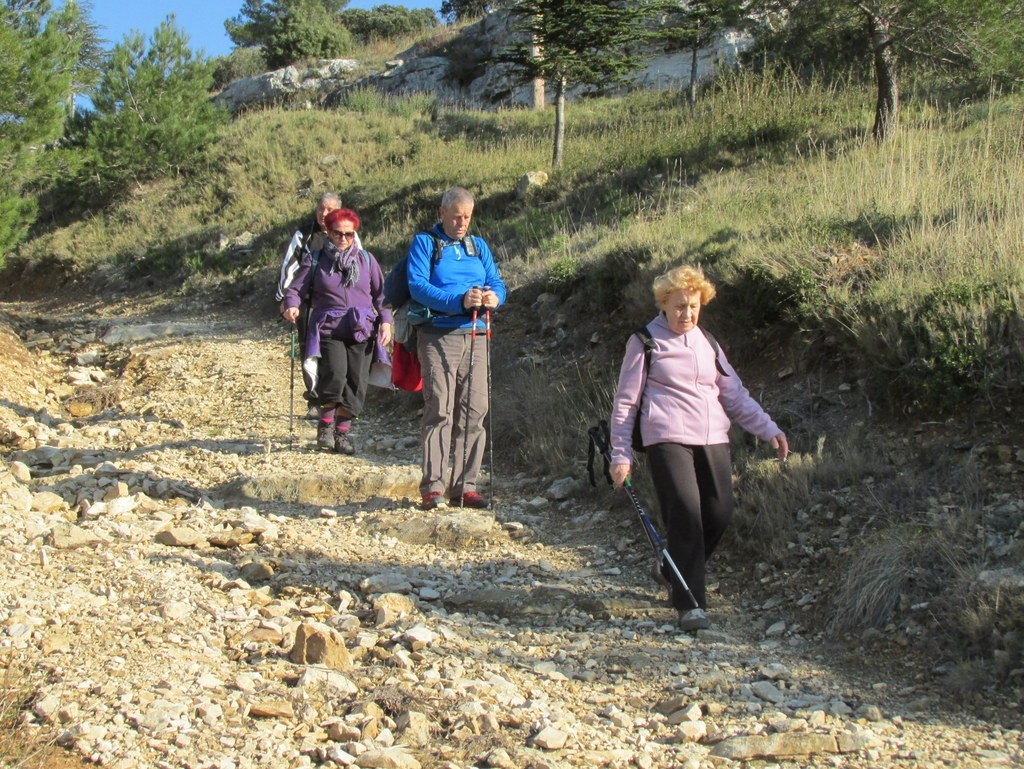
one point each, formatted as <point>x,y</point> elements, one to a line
<point>344,261</point>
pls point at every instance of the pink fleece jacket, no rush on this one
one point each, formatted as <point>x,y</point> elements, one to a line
<point>685,398</point>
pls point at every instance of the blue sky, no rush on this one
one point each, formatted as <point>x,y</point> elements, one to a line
<point>203,20</point>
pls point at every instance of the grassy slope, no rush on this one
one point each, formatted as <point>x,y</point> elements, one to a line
<point>904,256</point>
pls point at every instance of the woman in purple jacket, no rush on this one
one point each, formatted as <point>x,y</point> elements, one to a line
<point>343,287</point>
<point>685,398</point>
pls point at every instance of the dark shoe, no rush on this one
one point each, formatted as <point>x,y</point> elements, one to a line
<point>343,443</point>
<point>432,500</point>
<point>325,437</point>
<point>470,499</point>
<point>694,619</point>
<point>312,413</point>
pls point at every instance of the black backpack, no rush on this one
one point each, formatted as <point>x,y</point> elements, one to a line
<point>648,341</point>
<point>396,282</point>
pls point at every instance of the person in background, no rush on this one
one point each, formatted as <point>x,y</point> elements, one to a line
<point>344,288</point>
<point>685,397</point>
<point>451,288</point>
<point>307,240</point>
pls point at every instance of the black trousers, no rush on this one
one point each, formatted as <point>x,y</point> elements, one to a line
<point>344,373</point>
<point>694,488</point>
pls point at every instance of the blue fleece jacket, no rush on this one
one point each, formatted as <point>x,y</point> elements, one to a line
<point>442,288</point>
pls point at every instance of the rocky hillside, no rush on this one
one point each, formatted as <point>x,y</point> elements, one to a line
<point>185,583</point>
<point>459,69</point>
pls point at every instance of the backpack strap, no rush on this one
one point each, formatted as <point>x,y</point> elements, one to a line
<point>649,344</point>
<point>714,346</point>
<point>468,244</point>
<point>438,248</point>
<point>644,333</point>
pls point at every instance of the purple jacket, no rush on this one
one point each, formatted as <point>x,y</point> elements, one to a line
<point>334,307</point>
<point>685,398</point>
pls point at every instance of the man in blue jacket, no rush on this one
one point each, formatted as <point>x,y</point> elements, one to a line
<point>456,279</point>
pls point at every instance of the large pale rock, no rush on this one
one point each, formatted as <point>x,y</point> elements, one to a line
<point>414,728</point>
<point>140,333</point>
<point>691,731</point>
<point>68,536</point>
<point>391,607</point>
<point>318,644</point>
<point>20,471</point>
<point>312,82</point>
<point>790,745</point>
<point>181,536</point>
<point>271,709</point>
<point>550,738</point>
<point>530,181</point>
<point>17,497</point>
<point>396,757</point>
<point>47,502</point>
<point>332,682</point>
<point>462,529</point>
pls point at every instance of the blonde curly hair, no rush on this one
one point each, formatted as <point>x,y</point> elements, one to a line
<point>686,278</point>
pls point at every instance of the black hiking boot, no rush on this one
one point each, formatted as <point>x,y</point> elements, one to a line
<point>343,443</point>
<point>325,437</point>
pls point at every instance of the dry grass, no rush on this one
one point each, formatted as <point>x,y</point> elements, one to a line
<point>773,498</point>
<point>22,746</point>
<point>553,436</point>
<point>895,569</point>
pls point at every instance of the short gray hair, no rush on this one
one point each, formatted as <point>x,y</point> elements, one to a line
<point>455,195</point>
<point>329,197</point>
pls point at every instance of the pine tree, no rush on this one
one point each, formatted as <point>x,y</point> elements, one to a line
<point>694,24</point>
<point>153,112</point>
<point>578,42</point>
<point>37,61</point>
<point>974,39</point>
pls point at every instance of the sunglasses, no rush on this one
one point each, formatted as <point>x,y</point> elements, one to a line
<point>340,234</point>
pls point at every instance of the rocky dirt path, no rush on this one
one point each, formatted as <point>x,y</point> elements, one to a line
<point>184,583</point>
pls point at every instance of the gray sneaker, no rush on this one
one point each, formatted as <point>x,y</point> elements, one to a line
<point>343,443</point>
<point>325,437</point>
<point>694,619</point>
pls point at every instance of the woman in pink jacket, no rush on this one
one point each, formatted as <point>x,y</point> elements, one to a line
<point>685,395</point>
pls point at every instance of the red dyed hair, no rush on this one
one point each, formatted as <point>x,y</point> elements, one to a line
<point>342,215</point>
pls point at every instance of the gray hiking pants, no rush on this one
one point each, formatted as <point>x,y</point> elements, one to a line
<point>445,361</point>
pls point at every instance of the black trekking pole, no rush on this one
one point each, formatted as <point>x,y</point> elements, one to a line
<point>469,403</point>
<point>599,437</point>
<point>490,410</point>
<point>291,397</point>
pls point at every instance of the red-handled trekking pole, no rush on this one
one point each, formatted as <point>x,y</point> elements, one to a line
<point>490,412</point>
<point>469,402</point>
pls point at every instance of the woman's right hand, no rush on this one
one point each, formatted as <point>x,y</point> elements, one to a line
<point>291,314</point>
<point>619,473</point>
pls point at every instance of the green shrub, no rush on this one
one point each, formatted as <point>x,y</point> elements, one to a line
<point>956,341</point>
<point>308,31</point>
<point>387,22</point>
<point>563,274</point>
<point>241,62</point>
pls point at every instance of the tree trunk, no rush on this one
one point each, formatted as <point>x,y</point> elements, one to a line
<point>887,108</point>
<point>691,94</point>
<point>539,101</point>
<point>556,157</point>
